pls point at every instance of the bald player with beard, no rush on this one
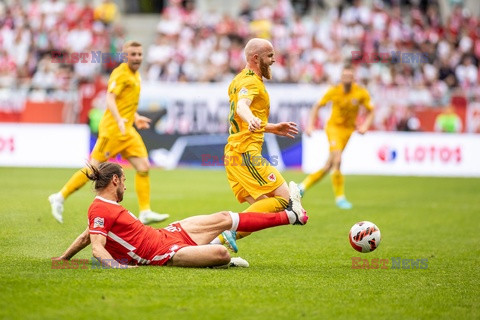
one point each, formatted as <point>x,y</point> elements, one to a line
<point>252,178</point>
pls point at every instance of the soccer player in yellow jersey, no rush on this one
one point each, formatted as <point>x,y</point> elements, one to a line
<point>252,178</point>
<point>346,98</point>
<point>117,135</point>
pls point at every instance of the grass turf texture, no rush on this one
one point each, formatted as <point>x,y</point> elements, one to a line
<point>296,272</point>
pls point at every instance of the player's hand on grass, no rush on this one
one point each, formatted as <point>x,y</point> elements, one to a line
<point>286,129</point>
<point>142,122</point>
<point>60,258</point>
<point>254,124</point>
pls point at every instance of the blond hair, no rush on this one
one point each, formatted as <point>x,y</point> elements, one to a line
<point>131,43</point>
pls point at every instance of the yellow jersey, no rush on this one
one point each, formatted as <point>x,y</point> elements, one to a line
<point>125,84</point>
<point>345,105</point>
<point>105,12</point>
<point>248,85</point>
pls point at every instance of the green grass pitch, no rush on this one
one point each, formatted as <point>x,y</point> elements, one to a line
<point>295,273</point>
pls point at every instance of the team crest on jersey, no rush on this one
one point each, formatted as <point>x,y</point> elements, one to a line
<point>272,177</point>
<point>242,92</point>
<point>98,222</point>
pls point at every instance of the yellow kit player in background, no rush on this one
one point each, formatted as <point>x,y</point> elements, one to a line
<point>251,177</point>
<point>117,135</point>
<point>346,98</point>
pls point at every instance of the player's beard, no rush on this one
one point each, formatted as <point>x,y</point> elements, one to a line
<point>120,192</point>
<point>265,70</point>
<point>347,86</point>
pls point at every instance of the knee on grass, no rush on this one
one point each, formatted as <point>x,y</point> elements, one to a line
<point>221,255</point>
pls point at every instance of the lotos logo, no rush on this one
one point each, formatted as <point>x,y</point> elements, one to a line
<point>387,154</point>
<point>433,153</point>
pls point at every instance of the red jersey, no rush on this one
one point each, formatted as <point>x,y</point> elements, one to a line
<point>130,240</point>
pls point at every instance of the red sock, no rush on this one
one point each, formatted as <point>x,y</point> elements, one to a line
<point>254,221</point>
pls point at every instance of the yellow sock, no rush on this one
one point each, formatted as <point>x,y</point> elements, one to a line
<point>273,204</point>
<point>77,181</point>
<point>311,179</point>
<point>338,183</point>
<point>142,187</point>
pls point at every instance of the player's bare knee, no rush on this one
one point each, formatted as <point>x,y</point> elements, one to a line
<point>336,165</point>
<point>328,166</point>
<point>225,216</point>
<point>222,255</point>
<point>282,192</point>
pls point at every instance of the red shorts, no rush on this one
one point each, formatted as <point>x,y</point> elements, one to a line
<point>172,238</point>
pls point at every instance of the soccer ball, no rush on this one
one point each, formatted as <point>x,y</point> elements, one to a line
<point>364,236</point>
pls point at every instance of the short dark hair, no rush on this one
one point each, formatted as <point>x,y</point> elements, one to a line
<point>103,174</point>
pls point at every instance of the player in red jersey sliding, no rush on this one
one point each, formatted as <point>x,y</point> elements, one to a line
<point>117,235</point>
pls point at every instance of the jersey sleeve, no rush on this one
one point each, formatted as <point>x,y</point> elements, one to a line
<point>366,101</point>
<point>248,89</point>
<point>327,97</point>
<point>100,220</point>
<point>117,83</point>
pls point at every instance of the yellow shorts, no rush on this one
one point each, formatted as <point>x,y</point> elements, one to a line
<point>128,145</point>
<point>249,174</point>
<point>338,137</point>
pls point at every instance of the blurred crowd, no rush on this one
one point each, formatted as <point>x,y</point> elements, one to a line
<point>311,46</point>
<point>33,32</point>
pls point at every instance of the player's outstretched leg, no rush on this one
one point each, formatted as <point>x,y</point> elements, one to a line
<point>56,203</point>
<point>296,213</point>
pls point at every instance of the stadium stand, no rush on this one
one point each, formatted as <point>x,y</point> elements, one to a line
<point>430,59</point>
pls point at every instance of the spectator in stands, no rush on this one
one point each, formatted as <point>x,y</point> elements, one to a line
<point>309,49</point>
<point>53,11</point>
<point>79,38</point>
<point>8,69</point>
<point>467,73</point>
<point>408,121</point>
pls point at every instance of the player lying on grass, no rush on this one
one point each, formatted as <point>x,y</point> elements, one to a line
<point>117,235</point>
